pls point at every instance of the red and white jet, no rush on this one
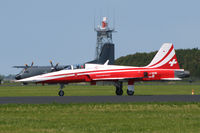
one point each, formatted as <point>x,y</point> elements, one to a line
<point>164,66</point>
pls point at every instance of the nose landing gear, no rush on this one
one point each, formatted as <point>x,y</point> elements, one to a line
<point>61,92</point>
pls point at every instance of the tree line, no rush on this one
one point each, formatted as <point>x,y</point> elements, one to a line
<point>189,59</point>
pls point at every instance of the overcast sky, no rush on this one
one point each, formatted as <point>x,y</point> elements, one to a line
<point>63,30</point>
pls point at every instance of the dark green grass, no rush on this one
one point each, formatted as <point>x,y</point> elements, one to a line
<point>87,90</point>
<point>101,118</point>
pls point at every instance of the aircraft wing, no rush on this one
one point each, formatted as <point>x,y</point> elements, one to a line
<point>19,66</point>
<point>25,66</point>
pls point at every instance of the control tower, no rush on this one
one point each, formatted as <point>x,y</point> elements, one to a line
<point>104,41</point>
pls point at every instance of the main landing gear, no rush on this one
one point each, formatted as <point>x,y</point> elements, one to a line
<point>119,90</point>
<point>130,90</point>
<point>61,92</point>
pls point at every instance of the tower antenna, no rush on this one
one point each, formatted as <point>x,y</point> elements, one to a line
<point>114,19</point>
<point>94,21</point>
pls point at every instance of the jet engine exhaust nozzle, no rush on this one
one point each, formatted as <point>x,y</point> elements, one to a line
<point>182,74</point>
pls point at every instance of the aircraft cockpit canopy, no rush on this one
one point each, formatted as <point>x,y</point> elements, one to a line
<point>24,71</point>
<point>77,66</point>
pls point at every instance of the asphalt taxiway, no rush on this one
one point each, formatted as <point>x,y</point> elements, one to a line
<point>99,99</point>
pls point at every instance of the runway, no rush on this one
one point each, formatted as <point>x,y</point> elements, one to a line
<point>99,99</point>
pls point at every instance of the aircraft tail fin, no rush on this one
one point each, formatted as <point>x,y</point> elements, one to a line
<point>165,58</point>
<point>107,53</point>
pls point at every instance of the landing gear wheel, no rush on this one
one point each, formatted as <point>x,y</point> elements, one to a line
<point>61,93</point>
<point>130,92</point>
<point>119,91</point>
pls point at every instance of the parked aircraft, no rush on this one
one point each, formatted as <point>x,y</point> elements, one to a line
<point>164,66</point>
<point>107,53</point>
<point>29,71</point>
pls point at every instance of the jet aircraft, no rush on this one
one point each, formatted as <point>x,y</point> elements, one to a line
<point>164,66</point>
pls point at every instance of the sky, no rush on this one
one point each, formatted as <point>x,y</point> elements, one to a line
<point>63,30</point>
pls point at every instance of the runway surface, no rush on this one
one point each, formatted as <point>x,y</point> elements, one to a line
<point>99,99</point>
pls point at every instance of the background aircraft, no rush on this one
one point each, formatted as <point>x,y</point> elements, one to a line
<point>164,66</point>
<point>104,52</point>
<point>29,71</point>
<point>107,53</point>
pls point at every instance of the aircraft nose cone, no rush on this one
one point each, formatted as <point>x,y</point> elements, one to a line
<point>18,77</point>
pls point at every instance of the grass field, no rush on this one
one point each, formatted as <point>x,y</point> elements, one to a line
<point>101,118</point>
<point>87,90</point>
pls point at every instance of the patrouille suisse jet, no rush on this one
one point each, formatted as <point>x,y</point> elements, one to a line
<point>164,66</point>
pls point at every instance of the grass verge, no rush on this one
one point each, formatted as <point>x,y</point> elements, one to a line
<point>104,118</point>
<point>87,90</point>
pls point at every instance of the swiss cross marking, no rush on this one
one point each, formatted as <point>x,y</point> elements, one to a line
<point>172,62</point>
